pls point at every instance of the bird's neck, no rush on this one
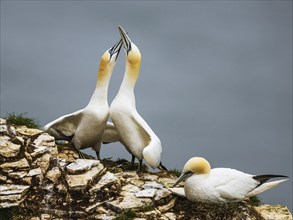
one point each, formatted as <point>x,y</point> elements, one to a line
<point>130,77</point>
<point>101,91</point>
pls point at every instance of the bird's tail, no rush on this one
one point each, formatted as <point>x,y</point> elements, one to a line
<point>264,185</point>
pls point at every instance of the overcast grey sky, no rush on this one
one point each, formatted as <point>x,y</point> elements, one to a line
<point>216,76</point>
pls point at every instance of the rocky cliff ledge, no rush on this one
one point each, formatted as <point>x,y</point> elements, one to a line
<point>42,180</point>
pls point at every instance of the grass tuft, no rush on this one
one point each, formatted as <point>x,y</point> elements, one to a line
<point>256,201</point>
<point>175,172</point>
<point>22,119</point>
<point>126,215</point>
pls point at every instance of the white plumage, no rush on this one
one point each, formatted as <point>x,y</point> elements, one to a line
<point>137,136</point>
<point>221,185</point>
<point>88,127</point>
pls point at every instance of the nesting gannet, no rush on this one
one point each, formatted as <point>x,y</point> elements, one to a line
<point>221,185</point>
<point>88,127</point>
<point>136,135</point>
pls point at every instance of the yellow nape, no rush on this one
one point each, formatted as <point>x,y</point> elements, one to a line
<point>133,57</point>
<point>197,165</point>
<point>133,64</point>
<point>103,68</point>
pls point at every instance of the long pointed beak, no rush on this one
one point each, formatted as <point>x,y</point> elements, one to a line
<point>126,40</point>
<point>115,49</point>
<point>182,177</point>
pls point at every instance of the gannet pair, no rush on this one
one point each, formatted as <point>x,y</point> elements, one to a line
<point>221,185</point>
<point>85,128</point>
<point>88,127</point>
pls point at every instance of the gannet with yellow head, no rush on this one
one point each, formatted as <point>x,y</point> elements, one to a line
<point>136,135</point>
<point>221,185</point>
<point>88,127</point>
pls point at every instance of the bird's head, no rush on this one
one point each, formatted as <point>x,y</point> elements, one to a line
<point>132,52</point>
<point>109,59</point>
<point>195,165</point>
<point>110,56</point>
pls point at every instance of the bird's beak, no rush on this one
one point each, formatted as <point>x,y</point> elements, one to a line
<point>182,177</point>
<point>115,49</point>
<point>126,40</point>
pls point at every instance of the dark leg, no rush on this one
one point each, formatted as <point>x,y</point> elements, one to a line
<point>98,155</point>
<point>162,167</point>
<point>132,160</point>
<point>140,166</point>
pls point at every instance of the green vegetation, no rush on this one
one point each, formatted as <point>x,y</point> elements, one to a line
<point>147,208</point>
<point>22,119</point>
<point>126,215</point>
<point>175,172</point>
<point>256,201</point>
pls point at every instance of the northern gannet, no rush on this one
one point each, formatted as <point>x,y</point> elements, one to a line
<point>88,127</point>
<point>221,185</point>
<point>136,135</point>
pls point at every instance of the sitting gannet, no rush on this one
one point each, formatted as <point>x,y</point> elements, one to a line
<point>221,185</point>
<point>88,127</point>
<point>136,135</point>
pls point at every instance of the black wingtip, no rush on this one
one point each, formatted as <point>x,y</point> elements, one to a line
<point>264,178</point>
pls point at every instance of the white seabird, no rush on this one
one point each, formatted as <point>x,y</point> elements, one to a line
<point>221,185</point>
<point>88,127</point>
<point>136,135</point>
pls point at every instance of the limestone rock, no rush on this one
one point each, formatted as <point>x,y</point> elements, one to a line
<point>269,212</point>
<point>45,140</point>
<point>43,162</point>
<point>170,215</point>
<point>129,189</point>
<point>128,202</point>
<point>61,163</point>
<point>146,193</point>
<point>152,185</point>
<point>162,193</point>
<point>2,121</point>
<point>68,155</point>
<point>104,217</point>
<point>34,172</point>
<point>128,175</point>
<point>167,207</point>
<point>150,177</point>
<point>12,195</point>
<point>28,131</point>
<point>108,178</point>
<point>39,150</point>
<point>61,189</point>
<point>54,185</point>
<point>18,175</point>
<point>81,181</point>
<point>167,182</point>
<point>81,165</point>
<point>178,191</point>
<point>4,138</point>
<point>7,148</point>
<point>18,140</point>
<point>3,178</point>
<point>53,174</point>
<point>20,164</point>
<point>137,182</point>
<point>3,128</point>
<point>93,207</point>
<point>12,189</point>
